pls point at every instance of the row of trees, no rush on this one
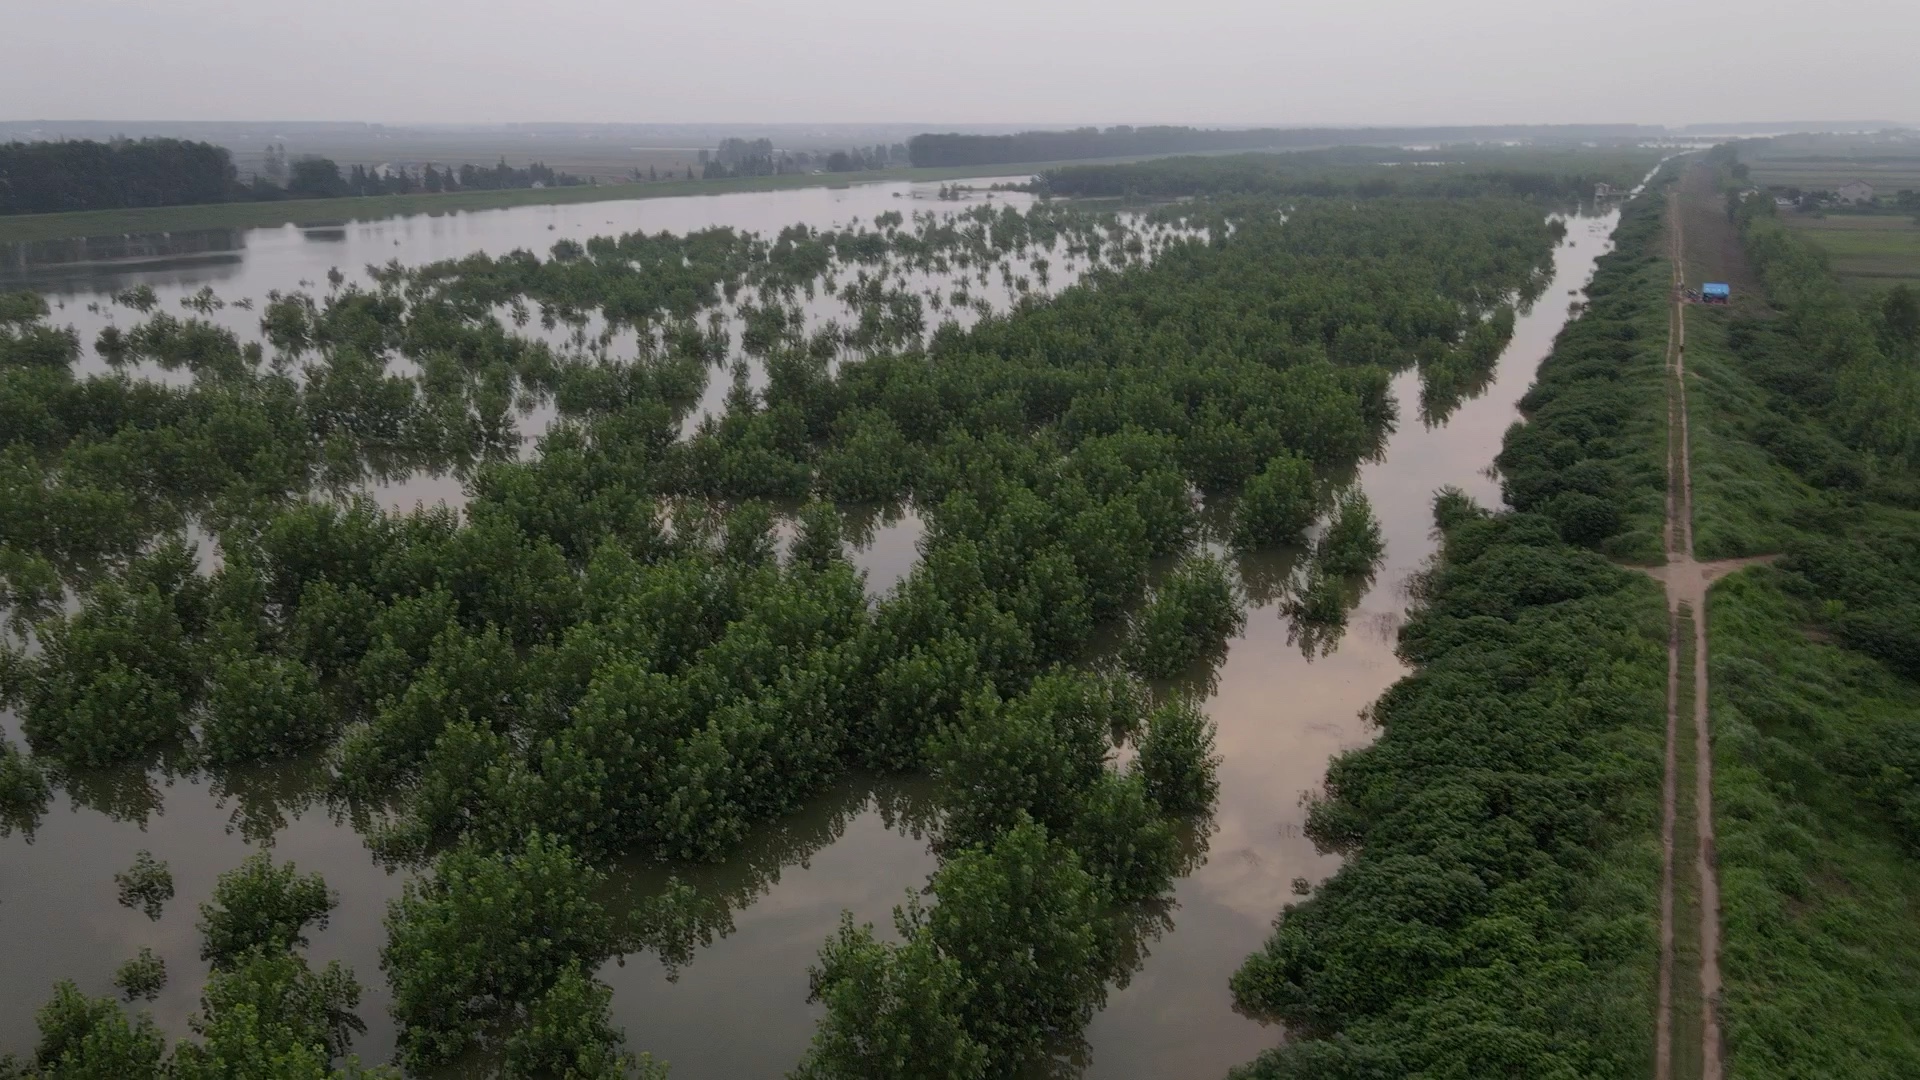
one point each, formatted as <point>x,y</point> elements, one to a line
<point>50,177</point>
<point>320,178</point>
<point>757,157</point>
<point>1493,914</point>
<point>1591,457</point>
<point>1127,141</point>
<point>1546,174</point>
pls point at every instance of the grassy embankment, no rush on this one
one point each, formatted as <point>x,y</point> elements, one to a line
<point>1802,409</point>
<point>1688,1006</point>
<point>28,228</point>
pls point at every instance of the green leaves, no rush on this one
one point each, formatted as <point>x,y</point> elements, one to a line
<point>1277,505</point>
<point>1177,758</point>
<point>84,1038</point>
<point>272,1015</point>
<point>146,885</point>
<point>892,1010</point>
<point>141,977</point>
<point>1191,615</point>
<point>569,1033</point>
<point>261,906</point>
<point>261,707</point>
<point>1352,544</point>
<point>1020,918</point>
<point>484,933</point>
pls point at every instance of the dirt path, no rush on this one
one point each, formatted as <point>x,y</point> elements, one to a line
<point>1687,582</point>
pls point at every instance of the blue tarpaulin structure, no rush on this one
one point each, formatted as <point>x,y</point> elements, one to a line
<point>1716,292</point>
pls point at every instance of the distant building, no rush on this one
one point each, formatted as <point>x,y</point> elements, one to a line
<point>1604,190</point>
<point>1855,191</point>
<point>1782,202</point>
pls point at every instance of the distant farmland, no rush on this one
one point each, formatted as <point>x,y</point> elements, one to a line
<point>1868,251</point>
<point>1887,175</point>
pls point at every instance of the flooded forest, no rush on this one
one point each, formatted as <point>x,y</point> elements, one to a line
<point>899,630</point>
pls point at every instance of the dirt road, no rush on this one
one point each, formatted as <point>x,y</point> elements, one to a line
<point>1687,582</point>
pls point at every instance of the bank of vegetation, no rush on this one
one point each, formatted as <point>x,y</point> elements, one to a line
<point>1546,174</point>
<point>1079,144</point>
<point>1496,914</point>
<point>612,650</point>
<point>1805,409</point>
<point>76,175</point>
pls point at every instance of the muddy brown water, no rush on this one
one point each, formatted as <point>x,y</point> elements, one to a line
<point>736,1007</point>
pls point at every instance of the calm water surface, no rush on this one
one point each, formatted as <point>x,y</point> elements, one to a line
<point>735,1006</point>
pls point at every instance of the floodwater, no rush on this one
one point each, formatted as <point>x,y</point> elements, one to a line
<point>731,1001</point>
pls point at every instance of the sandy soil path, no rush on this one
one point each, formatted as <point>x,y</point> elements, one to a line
<point>1687,581</point>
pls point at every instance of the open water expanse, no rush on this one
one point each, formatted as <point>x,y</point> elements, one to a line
<point>735,1006</point>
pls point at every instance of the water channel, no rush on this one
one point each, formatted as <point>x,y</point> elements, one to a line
<point>735,1006</point>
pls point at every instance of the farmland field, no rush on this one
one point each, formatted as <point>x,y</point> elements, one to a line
<point>1866,251</point>
<point>1887,174</point>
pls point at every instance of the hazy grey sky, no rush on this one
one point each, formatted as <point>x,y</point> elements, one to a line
<point>1201,61</point>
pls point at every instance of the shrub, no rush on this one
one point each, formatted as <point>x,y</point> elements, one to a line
<point>1277,505</point>
<point>142,976</point>
<point>258,905</point>
<point>1191,615</point>
<point>146,885</point>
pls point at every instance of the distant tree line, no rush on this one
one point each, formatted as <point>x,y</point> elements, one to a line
<point>320,178</point>
<point>757,157</point>
<point>1355,171</point>
<point>46,177</point>
<point>50,177</point>
<point>1080,144</point>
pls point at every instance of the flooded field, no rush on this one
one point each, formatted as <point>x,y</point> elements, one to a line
<point>727,998</point>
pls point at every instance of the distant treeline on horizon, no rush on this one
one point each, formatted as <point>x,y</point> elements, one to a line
<point>1544,172</point>
<point>1080,144</point>
<point>83,174</point>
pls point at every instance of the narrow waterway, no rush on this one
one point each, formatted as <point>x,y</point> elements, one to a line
<point>730,1002</point>
<point>1283,712</point>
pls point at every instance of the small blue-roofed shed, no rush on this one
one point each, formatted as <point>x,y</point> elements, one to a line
<point>1716,292</point>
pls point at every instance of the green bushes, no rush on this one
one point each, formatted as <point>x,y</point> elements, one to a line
<point>1007,964</point>
<point>1191,615</point>
<point>264,1011</point>
<point>24,791</point>
<point>141,977</point>
<point>1814,759</point>
<point>1352,544</point>
<point>1277,505</point>
<point>146,885</point>
<point>88,1037</point>
<point>260,907</point>
<point>484,934</point>
<point>891,1010</point>
<point>1519,761</point>
<point>1591,454</point>
<point>263,707</point>
<point>590,661</point>
<point>570,1034</point>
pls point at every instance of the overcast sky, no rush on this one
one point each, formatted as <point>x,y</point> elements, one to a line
<point>983,61</point>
